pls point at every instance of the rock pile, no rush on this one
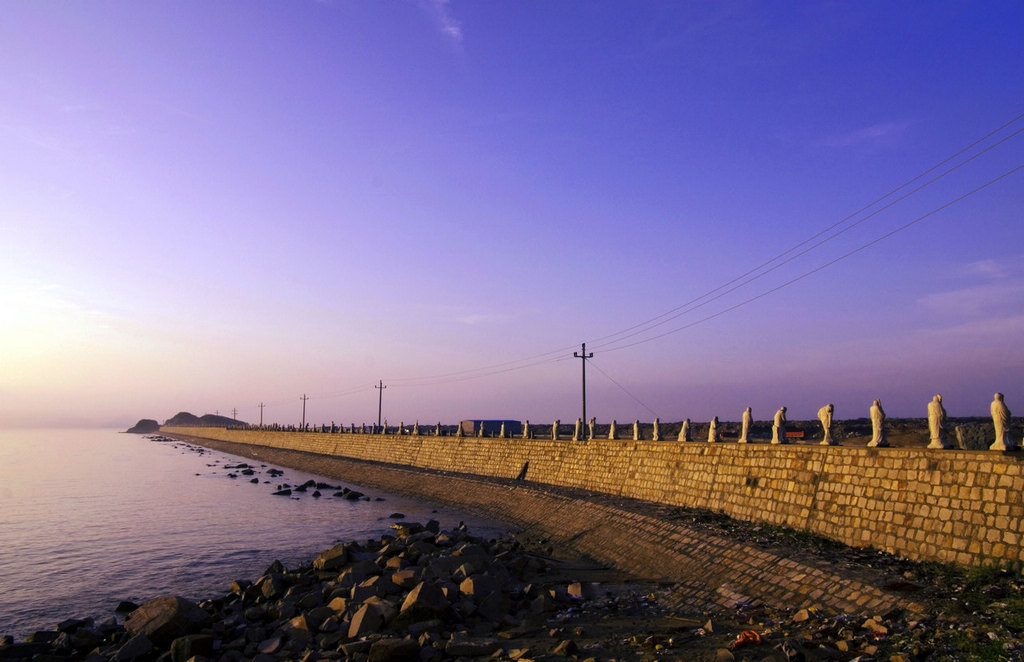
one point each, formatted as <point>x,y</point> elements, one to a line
<point>422,594</point>
<point>427,595</point>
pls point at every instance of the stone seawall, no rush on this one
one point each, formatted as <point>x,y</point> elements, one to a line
<point>965,507</point>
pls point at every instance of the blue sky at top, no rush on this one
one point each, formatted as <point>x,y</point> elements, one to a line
<point>209,205</point>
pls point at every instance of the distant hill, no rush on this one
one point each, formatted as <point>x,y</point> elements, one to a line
<point>185,419</point>
<point>144,426</point>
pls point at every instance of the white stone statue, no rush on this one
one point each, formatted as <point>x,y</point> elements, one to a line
<point>590,427</point>
<point>1001,421</point>
<point>825,416</point>
<point>416,428</point>
<point>779,427</point>
<point>458,430</point>
<point>748,418</point>
<point>437,430</point>
<point>636,430</point>
<point>554,429</point>
<point>526,429</point>
<point>877,426</point>
<point>713,431</point>
<point>656,434</point>
<point>937,424</point>
<point>577,429</point>
<point>501,433</point>
<point>611,430</point>
<point>684,431</point>
<point>480,432</point>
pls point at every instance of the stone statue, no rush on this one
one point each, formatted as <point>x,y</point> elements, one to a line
<point>748,418</point>
<point>437,430</point>
<point>825,416</point>
<point>577,430</point>
<point>656,434</point>
<point>1001,421</point>
<point>554,429</point>
<point>458,431</point>
<point>611,430</point>
<point>526,429</point>
<point>877,425</point>
<point>636,430</point>
<point>937,424</point>
<point>416,428</point>
<point>713,431</point>
<point>501,433</point>
<point>590,427</point>
<point>779,427</point>
<point>684,431</point>
<point>480,432</point>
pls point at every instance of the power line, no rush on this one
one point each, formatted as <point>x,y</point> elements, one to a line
<point>687,307</point>
<point>823,266</point>
<point>624,389</point>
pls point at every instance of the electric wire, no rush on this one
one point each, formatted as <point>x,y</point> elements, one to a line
<point>860,248</point>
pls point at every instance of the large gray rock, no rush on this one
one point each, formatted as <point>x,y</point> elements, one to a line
<point>165,619</point>
<point>425,602</point>
<point>333,559</point>
<point>393,649</point>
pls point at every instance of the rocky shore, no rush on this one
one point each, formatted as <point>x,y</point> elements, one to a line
<point>424,594</point>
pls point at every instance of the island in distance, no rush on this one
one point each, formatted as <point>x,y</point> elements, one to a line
<point>183,419</point>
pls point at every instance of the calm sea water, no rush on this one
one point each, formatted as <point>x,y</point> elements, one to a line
<point>92,517</point>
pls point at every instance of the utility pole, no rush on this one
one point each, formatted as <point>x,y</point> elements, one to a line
<point>584,356</point>
<point>380,399</point>
<point>261,413</point>
<point>304,398</point>
<point>234,413</point>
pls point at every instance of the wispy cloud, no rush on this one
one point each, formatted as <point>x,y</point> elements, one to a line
<point>1001,290</point>
<point>446,23</point>
<point>869,136</point>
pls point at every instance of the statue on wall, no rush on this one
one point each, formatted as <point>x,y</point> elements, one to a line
<point>713,431</point>
<point>825,416</point>
<point>684,431</point>
<point>779,427</point>
<point>437,430</point>
<point>937,424</point>
<point>748,418</point>
<point>526,430</point>
<point>501,433</point>
<point>554,429</point>
<point>636,430</point>
<point>577,430</point>
<point>877,425</point>
<point>611,430</point>
<point>656,435</point>
<point>590,427</point>
<point>1001,421</point>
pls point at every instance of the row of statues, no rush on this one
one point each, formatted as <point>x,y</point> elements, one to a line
<point>939,438</point>
<point>938,435</point>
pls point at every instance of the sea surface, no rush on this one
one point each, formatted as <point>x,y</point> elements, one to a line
<point>89,518</point>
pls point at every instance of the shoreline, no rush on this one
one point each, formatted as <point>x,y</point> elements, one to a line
<point>615,616</point>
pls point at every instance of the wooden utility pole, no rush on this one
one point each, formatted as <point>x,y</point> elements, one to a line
<point>584,356</point>
<point>380,399</point>
<point>234,413</point>
<point>261,413</point>
<point>304,398</point>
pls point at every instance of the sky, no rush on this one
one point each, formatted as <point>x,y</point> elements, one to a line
<point>209,206</point>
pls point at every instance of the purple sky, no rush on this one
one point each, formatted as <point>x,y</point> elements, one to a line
<point>205,206</point>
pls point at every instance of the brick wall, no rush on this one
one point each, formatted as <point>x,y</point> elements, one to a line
<point>957,506</point>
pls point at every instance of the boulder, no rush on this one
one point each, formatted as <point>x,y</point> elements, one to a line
<point>393,649</point>
<point>332,559</point>
<point>165,619</point>
<point>185,648</point>
<point>425,602</point>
